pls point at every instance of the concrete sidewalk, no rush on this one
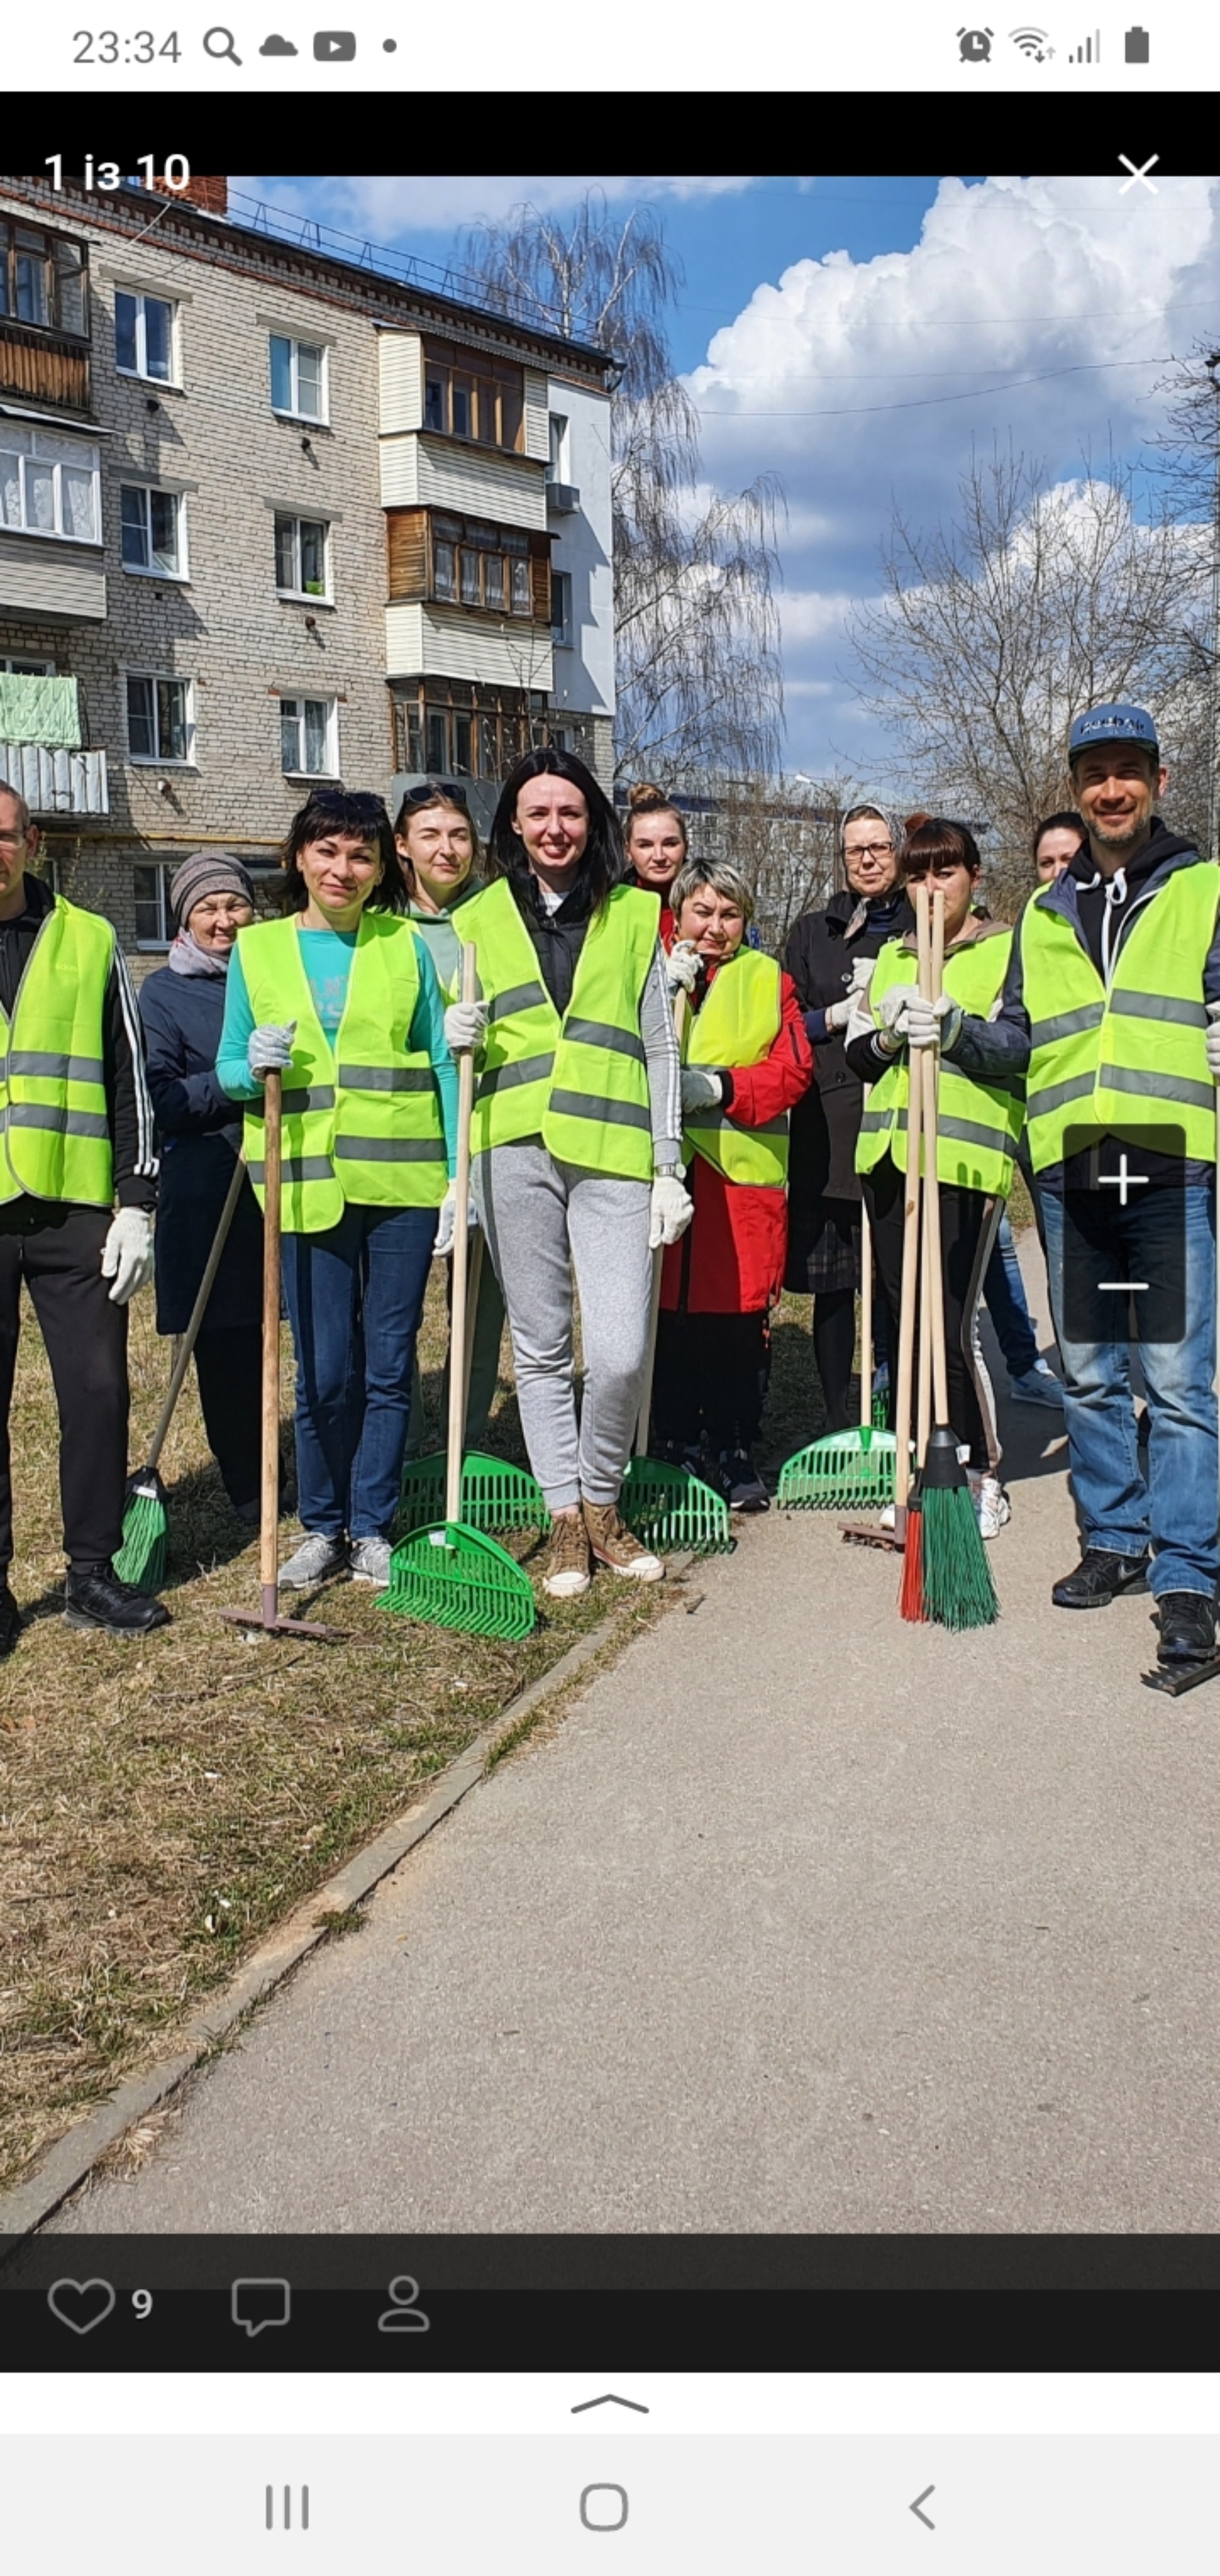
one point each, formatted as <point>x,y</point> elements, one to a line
<point>804,1919</point>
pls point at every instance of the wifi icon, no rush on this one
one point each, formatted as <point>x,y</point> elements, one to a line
<point>1034,43</point>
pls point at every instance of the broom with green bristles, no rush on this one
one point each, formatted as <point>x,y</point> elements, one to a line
<point>958,1591</point>
<point>144,1554</point>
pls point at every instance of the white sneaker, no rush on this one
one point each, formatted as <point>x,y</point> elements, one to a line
<point>992,1508</point>
<point>1038,1385</point>
<point>315,1558</point>
<point>371,1560</point>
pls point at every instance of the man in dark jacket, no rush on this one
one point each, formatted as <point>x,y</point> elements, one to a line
<point>1115,969</point>
<point>77,1134</point>
<point>824,1190</point>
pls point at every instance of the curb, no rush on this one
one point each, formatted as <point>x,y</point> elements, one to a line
<point>71,2160</point>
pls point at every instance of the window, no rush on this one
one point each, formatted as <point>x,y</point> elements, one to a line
<point>39,669</point>
<point>460,729</point>
<point>307,743</point>
<point>300,557</point>
<point>521,602</point>
<point>561,608</point>
<point>144,336</point>
<point>479,566</point>
<point>42,279</point>
<point>298,378</point>
<point>154,912</point>
<point>160,722</point>
<point>49,486</point>
<point>152,530</point>
<point>557,462</point>
<point>469,396</point>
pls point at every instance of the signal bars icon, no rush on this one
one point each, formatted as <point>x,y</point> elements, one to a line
<point>1034,43</point>
<point>1089,51</point>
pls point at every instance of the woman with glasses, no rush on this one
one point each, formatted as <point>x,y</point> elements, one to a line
<point>577,1135</point>
<point>825,956</point>
<point>979,1124</point>
<point>199,1133</point>
<point>341,997</point>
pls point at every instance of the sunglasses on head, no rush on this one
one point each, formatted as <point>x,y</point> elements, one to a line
<point>434,787</point>
<point>335,800</point>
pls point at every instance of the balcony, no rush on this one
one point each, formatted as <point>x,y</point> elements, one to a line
<point>53,781</point>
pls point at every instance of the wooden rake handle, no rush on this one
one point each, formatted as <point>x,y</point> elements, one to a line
<point>931,935</point>
<point>909,1299</point>
<point>459,1327</point>
<point>681,1004</point>
<point>198,1311</point>
<point>268,1546</point>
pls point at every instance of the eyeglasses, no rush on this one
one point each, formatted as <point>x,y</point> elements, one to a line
<point>434,787</point>
<point>871,850</point>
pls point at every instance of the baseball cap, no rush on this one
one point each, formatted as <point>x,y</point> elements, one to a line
<point>1112,724</point>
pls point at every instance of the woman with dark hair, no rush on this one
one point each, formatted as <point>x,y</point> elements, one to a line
<point>1057,841</point>
<point>657,847</point>
<point>577,1135</point>
<point>341,997</point>
<point>980,1121</point>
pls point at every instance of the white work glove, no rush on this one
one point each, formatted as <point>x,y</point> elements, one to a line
<point>682,967</point>
<point>839,1013</point>
<point>701,1089</point>
<point>671,1212</point>
<point>127,1254</point>
<point>892,1009</point>
<point>933,1023</point>
<point>1212,1041</point>
<point>270,1049</point>
<point>448,1220</point>
<point>465,1026</point>
<point>862,972</point>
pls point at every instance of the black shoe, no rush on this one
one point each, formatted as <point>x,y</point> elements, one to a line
<point>10,1621</point>
<point>1098,1580</point>
<point>743,1485</point>
<point>1187,1622</point>
<point>100,1600</point>
<point>249,1514</point>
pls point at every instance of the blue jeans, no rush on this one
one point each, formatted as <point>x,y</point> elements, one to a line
<point>1004,1292</point>
<point>1175,1511</point>
<point>355,1296</point>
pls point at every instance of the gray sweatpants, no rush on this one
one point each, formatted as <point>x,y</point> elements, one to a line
<point>545,1221</point>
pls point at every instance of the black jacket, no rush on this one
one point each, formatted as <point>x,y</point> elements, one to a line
<point>826,1123</point>
<point>128,1107</point>
<point>200,1135</point>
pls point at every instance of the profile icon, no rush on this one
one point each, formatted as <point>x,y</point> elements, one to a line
<point>403,2316</point>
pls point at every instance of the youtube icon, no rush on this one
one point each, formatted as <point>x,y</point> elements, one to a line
<point>334,46</point>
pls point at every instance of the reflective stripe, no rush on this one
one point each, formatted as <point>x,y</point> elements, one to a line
<point>388,1149</point>
<point>519,997</point>
<point>503,1077</point>
<point>1069,1024</point>
<point>294,1103</point>
<point>384,1077</point>
<point>710,1117</point>
<point>57,1068</point>
<point>603,1034</point>
<point>61,1122</point>
<point>967,1131</point>
<point>616,1113</point>
<point>874,1118</point>
<point>299,1167</point>
<point>1057,1094</point>
<point>1159,1006</point>
<point>1163,1086</point>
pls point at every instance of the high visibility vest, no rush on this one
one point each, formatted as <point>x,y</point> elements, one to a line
<point>737,1024</point>
<point>362,1119</point>
<point>978,1123</point>
<point>53,1113</point>
<point>1118,1061</point>
<point>580,1082</point>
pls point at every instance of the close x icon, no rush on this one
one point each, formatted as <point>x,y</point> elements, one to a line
<point>1125,1227</point>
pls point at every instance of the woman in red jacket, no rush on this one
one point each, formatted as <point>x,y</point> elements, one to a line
<point>746,1060</point>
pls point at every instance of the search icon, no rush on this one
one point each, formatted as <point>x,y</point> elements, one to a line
<point>218,42</point>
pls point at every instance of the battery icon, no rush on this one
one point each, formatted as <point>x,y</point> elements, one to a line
<point>1135,45</point>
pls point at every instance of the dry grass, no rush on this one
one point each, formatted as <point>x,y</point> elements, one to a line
<point>164,1804</point>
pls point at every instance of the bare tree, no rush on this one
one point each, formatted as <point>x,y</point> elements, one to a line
<point>1187,455</point>
<point>697,647</point>
<point>993,632</point>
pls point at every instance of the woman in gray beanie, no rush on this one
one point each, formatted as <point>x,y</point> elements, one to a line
<point>182,1008</point>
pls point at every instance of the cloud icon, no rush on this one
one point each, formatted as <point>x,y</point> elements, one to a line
<point>277,45</point>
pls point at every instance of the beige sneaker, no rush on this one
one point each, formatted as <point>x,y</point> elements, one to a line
<point>567,1571</point>
<point>613,1545</point>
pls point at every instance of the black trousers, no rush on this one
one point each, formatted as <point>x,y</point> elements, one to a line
<point>229,1368</point>
<point>58,1256</point>
<point>711,1378</point>
<point>968,1225</point>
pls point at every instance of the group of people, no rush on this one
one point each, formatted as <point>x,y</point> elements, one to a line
<point>653,1093</point>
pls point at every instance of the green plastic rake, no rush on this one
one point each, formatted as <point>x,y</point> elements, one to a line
<point>848,1470</point>
<point>494,1496</point>
<point>664,1505</point>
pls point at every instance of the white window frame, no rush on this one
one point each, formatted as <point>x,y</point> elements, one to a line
<point>90,462</point>
<point>561,630</point>
<point>323,598</point>
<point>151,571</point>
<point>33,666</point>
<point>558,427</point>
<point>141,297</point>
<point>164,869</point>
<point>300,698</point>
<point>159,759</point>
<point>318,419</point>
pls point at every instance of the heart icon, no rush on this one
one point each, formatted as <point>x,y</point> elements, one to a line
<point>80,2304</point>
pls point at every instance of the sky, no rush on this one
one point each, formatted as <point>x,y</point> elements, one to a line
<point>859,337</point>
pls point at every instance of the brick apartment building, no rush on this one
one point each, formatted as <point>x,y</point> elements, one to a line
<point>268,517</point>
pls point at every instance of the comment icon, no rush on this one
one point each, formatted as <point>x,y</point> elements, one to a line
<point>258,2304</point>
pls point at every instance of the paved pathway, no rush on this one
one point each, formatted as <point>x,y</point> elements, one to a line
<point>802,1920</point>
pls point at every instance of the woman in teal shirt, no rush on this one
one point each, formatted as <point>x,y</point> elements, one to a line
<point>359,1211</point>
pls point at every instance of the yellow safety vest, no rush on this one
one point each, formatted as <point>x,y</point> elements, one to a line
<point>53,1112</point>
<point>737,1023</point>
<point>978,1123</point>
<point>362,1120</point>
<point>1118,1060</point>
<point>580,1082</point>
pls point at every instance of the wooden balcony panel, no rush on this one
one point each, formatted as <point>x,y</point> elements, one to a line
<point>40,366</point>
